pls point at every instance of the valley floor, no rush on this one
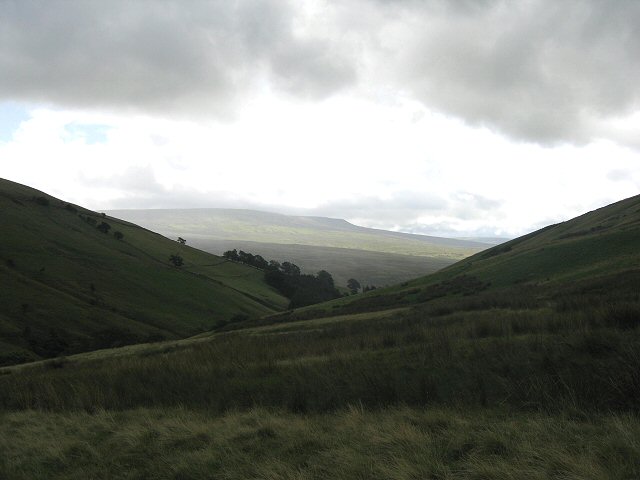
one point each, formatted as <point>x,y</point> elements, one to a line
<point>395,443</point>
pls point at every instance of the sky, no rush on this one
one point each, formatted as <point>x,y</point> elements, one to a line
<point>442,117</point>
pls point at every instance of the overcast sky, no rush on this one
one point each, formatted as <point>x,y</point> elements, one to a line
<point>446,117</point>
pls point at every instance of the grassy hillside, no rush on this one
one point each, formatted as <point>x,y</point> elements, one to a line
<point>520,362</point>
<point>66,286</point>
<point>594,257</point>
<point>376,257</point>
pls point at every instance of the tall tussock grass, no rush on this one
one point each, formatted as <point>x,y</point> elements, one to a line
<point>352,443</point>
<point>532,359</point>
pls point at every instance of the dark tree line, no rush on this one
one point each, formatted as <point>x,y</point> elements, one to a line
<point>286,278</point>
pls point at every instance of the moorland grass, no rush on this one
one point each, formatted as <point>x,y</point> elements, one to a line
<point>529,359</point>
<point>352,443</point>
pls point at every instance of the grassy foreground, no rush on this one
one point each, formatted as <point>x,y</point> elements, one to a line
<point>531,359</point>
<point>397,443</point>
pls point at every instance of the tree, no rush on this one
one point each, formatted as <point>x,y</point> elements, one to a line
<point>118,235</point>
<point>104,227</point>
<point>289,268</point>
<point>176,260</point>
<point>325,279</point>
<point>273,265</point>
<point>231,255</point>
<point>181,241</point>
<point>353,285</point>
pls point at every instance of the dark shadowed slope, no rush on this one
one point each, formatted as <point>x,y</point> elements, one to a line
<point>67,286</point>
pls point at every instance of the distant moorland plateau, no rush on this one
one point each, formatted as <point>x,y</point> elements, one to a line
<point>372,256</point>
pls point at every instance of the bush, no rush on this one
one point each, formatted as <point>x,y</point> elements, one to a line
<point>104,227</point>
<point>176,260</point>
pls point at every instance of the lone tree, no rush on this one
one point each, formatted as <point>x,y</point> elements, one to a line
<point>176,260</point>
<point>353,285</point>
<point>181,241</point>
<point>118,235</point>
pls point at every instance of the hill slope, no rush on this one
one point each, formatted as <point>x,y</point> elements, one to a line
<point>66,286</point>
<point>597,251</point>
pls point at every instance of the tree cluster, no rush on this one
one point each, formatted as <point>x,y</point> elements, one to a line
<point>286,278</point>
<point>256,261</point>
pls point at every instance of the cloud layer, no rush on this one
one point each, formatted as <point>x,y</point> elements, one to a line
<point>194,57</point>
<point>539,70</point>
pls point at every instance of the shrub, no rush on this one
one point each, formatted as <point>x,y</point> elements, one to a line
<point>176,260</point>
<point>104,227</point>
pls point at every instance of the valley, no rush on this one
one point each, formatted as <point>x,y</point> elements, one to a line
<point>521,358</point>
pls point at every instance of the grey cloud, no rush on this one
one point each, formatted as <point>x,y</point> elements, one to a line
<point>296,65</point>
<point>542,71</point>
<point>159,56</point>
